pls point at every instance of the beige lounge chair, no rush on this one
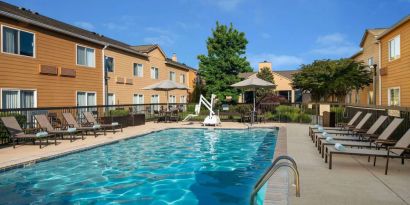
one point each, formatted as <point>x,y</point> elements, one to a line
<point>44,123</point>
<point>383,138</point>
<point>349,124</point>
<point>90,119</point>
<point>357,130</point>
<point>395,151</point>
<point>17,133</point>
<point>68,117</point>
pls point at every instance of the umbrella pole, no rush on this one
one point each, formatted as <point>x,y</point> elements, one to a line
<point>254,106</point>
<point>167,101</point>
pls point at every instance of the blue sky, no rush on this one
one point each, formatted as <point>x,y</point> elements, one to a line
<point>286,32</point>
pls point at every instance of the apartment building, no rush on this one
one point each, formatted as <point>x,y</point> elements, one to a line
<point>368,55</point>
<point>48,63</point>
<point>389,49</point>
<point>395,64</point>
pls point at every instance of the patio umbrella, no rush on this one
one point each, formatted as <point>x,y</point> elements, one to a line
<point>166,85</point>
<point>253,83</point>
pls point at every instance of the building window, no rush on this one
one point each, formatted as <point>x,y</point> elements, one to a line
<point>138,70</point>
<point>182,99</point>
<point>85,56</point>
<point>155,100</point>
<point>172,99</point>
<point>394,48</point>
<point>86,98</point>
<point>138,99</point>
<point>357,97</point>
<point>111,99</point>
<point>394,97</point>
<point>370,61</point>
<point>18,42</point>
<point>172,76</point>
<point>182,79</point>
<point>154,73</point>
<point>14,98</point>
<point>109,64</point>
<point>370,96</point>
<point>349,98</point>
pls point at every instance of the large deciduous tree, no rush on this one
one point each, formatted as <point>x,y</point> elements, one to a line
<point>325,78</point>
<point>225,60</point>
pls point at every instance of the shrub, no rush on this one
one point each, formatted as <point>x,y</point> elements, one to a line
<point>291,114</point>
<point>118,113</point>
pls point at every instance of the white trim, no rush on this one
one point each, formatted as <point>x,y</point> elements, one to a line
<point>379,76</point>
<point>154,68</point>
<point>95,56</point>
<point>18,29</point>
<point>388,95</point>
<point>142,72</point>
<point>113,97</point>
<point>86,100</point>
<point>18,90</point>
<point>138,94</point>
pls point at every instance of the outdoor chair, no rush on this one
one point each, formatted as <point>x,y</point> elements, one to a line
<point>399,150</point>
<point>174,115</point>
<point>340,127</point>
<point>45,124</point>
<point>90,119</point>
<point>68,117</point>
<point>366,140</point>
<point>17,133</point>
<point>351,130</point>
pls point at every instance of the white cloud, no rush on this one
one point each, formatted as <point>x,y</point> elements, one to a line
<point>278,61</point>
<point>335,44</point>
<point>85,25</point>
<point>227,5</point>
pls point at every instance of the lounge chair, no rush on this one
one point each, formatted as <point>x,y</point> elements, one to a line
<point>395,151</point>
<point>17,133</point>
<point>45,124</point>
<point>351,131</point>
<point>368,140</point>
<point>349,124</point>
<point>90,119</point>
<point>68,117</point>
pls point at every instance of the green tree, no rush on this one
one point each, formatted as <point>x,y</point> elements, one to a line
<point>324,78</point>
<point>265,73</point>
<point>225,60</point>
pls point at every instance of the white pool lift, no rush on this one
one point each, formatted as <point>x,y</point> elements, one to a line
<point>212,119</point>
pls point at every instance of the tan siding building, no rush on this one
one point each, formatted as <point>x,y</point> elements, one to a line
<point>41,76</point>
<point>395,64</point>
<point>368,55</point>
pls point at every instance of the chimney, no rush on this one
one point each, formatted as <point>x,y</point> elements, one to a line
<point>174,57</point>
<point>264,64</point>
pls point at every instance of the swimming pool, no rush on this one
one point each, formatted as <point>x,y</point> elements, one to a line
<point>174,166</point>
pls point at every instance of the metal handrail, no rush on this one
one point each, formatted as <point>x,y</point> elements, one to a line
<point>272,169</point>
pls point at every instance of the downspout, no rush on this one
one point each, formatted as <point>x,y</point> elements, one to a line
<point>378,74</point>
<point>104,80</point>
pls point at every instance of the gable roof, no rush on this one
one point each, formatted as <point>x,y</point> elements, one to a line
<point>177,64</point>
<point>34,18</point>
<point>287,73</point>
<point>401,22</point>
<point>148,48</point>
<point>374,32</point>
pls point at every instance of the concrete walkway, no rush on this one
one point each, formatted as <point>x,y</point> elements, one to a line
<point>352,180</point>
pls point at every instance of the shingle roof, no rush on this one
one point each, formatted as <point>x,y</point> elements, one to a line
<point>402,21</point>
<point>287,73</point>
<point>31,17</point>
<point>144,48</point>
<point>178,64</point>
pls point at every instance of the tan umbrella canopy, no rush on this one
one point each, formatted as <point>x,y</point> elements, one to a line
<point>253,83</point>
<point>166,85</point>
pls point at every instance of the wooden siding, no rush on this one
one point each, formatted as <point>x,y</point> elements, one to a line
<point>123,67</point>
<point>55,50</point>
<point>398,71</point>
<point>370,50</point>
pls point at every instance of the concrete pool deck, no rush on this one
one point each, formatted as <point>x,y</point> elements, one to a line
<point>351,181</point>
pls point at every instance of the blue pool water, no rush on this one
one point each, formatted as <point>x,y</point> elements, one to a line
<point>175,166</point>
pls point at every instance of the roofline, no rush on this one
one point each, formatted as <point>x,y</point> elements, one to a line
<point>357,53</point>
<point>36,23</point>
<point>177,65</point>
<point>402,21</point>
<point>365,34</point>
<point>283,75</point>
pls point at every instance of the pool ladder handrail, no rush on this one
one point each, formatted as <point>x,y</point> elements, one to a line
<point>272,169</point>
